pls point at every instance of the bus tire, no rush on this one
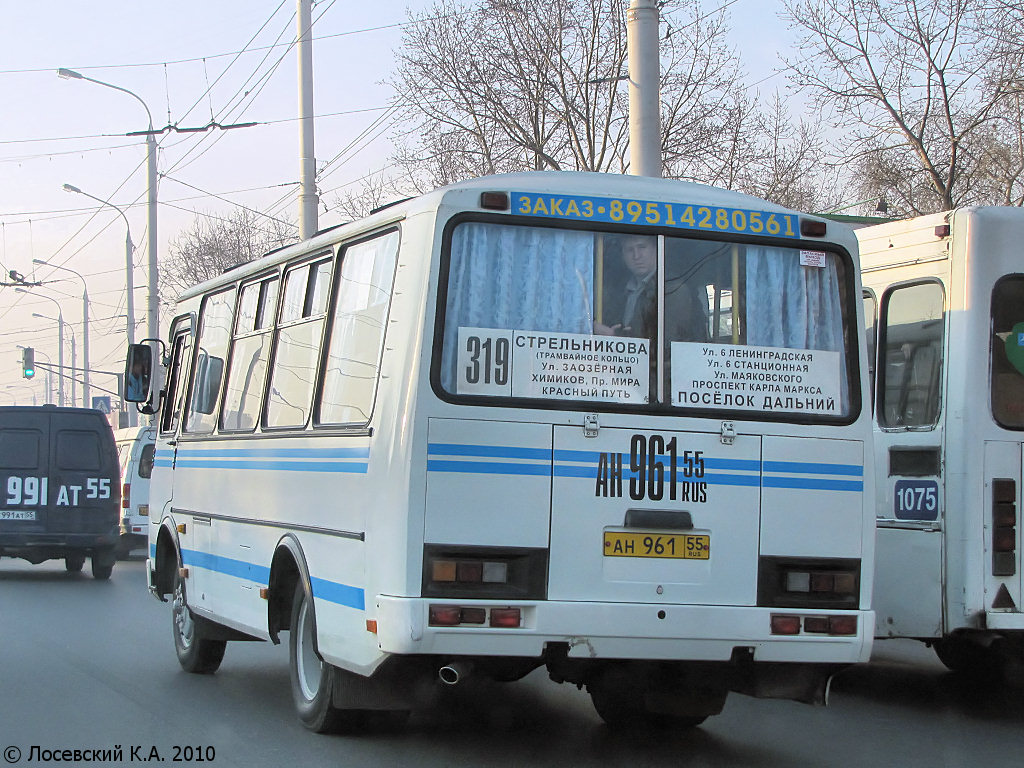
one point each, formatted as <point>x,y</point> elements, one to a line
<point>103,563</point>
<point>74,563</point>
<point>312,678</point>
<point>196,654</point>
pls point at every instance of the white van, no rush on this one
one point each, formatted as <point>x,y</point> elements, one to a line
<point>136,447</point>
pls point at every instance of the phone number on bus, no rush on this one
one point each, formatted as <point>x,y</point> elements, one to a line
<point>622,210</point>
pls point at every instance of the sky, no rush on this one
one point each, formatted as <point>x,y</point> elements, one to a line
<point>192,62</point>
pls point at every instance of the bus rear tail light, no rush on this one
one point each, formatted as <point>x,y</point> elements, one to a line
<point>785,625</point>
<point>805,583</point>
<point>506,617</point>
<point>485,573</point>
<point>1004,527</point>
<point>842,625</point>
<point>458,615</point>
<point>126,492</point>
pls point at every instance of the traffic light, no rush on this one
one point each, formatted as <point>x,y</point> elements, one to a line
<point>28,362</point>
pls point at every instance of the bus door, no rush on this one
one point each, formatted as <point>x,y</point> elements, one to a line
<point>908,441</point>
<point>162,481</point>
<point>1004,580</point>
<point>654,517</point>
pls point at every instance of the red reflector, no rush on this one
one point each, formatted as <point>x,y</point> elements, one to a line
<point>842,625</point>
<point>785,625</point>
<point>1004,539</point>
<point>822,582</point>
<point>494,201</point>
<point>817,624</point>
<point>445,615</point>
<point>469,570</point>
<point>942,230</point>
<point>505,617</point>
<point>812,228</point>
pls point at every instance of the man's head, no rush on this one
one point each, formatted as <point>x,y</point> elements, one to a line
<point>640,254</point>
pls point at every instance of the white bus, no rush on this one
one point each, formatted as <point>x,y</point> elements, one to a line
<point>614,426</point>
<point>948,294</point>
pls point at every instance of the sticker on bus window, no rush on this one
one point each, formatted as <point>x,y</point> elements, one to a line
<point>555,366</point>
<point>750,378</point>
<point>812,258</point>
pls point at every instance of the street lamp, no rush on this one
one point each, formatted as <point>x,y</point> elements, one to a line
<point>86,400</point>
<point>129,263</point>
<point>60,344</point>
<point>153,306</point>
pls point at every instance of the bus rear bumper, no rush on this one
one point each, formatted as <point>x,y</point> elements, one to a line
<point>624,631</point>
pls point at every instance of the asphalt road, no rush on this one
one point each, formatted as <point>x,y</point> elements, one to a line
<point>90,665</point>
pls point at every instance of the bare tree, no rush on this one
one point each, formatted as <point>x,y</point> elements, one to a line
<point>508,85</point>
<point>215,244</point>
<point>920,85</point>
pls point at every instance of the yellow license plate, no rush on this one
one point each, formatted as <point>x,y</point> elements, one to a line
<point>679,546</point>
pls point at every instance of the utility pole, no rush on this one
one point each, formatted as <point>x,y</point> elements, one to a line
<point>642,46</point>
<point>308,201</point>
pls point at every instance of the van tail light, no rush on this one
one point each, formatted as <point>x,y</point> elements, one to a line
<point>1004,527</point>
<point>126,495</point>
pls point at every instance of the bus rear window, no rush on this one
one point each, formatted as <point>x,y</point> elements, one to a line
<point>565,316</point>
<point>1008,352</point>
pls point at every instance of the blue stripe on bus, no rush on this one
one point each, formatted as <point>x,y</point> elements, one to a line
<point>238,568</point>
<point>488,451</point>
<point>812,483</point>
<point>813,468</point>
<point>594,457</point>
<point>342,594</point>
<point>286,466</point>
<point>331,591</point>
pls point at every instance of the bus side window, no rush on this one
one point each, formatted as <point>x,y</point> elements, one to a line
<point>213,340</point>
<point>911,375</point>
<point>357,331</point>
<point>1007,374</point>
<point>297,344</point>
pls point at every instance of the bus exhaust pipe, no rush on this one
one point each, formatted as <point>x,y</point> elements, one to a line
<point>455,672</point>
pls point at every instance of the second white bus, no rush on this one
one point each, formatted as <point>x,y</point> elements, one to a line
<point>467,435</point>
<point>945,299</point>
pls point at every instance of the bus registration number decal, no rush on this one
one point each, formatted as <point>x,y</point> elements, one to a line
<point>678,546</point>
<point>702,218</point>
<point>916,500</point>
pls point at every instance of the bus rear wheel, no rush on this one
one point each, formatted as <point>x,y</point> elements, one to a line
<point>312,678</point>
<point>197,654</point>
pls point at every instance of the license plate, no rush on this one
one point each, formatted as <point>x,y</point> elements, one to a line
<point>678,546</point>
<point>17,514</point>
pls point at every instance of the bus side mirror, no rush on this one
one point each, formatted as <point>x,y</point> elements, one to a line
<point>138,373</point>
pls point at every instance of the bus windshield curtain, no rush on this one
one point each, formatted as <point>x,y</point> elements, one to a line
<point>794,306</point>
<point>517,278</point>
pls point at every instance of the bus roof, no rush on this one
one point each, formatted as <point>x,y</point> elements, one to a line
<point>562,182</point>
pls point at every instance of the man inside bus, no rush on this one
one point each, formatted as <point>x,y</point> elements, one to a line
<point>637,305</point>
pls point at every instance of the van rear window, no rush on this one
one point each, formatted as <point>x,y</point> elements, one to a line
<point>146,460</point>
<point>19,448</point>
<point>78,450</point>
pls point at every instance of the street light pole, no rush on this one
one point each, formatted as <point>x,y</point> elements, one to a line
<point>153,305</point>
<point>60,344</point>
<point>86,392</point>
<point>644,88</point>
<point>129,263</point>
<point>74,363</point>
